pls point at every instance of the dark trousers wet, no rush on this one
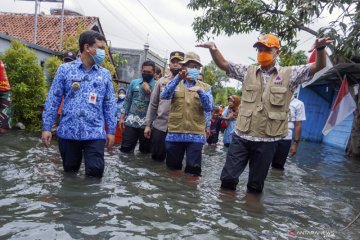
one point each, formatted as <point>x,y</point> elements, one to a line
<point>158,149</point>
<point>130,138</point>
<point>241,151</point>
<point>175,152</point>
<point>72,152</point>
<point>281,154</point>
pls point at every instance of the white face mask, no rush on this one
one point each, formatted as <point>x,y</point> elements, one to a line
<point>122,96</point>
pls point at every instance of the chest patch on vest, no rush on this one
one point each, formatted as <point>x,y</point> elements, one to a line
<point>278,80</point>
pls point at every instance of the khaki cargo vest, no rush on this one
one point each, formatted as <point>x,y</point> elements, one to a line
<point>186,114</point>
<point>264,109</point>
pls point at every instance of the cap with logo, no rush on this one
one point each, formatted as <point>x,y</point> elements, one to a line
<point>69,56</point>
<point>268,40</point>
<point>191,56</point>
<point>178,55</point>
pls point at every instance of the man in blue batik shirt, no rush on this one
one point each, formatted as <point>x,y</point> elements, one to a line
<point>88,105</point>
<point>187,121</point>
<point>134,110</point>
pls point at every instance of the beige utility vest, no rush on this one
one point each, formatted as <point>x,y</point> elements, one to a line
<point>186,114</point>
<point>264,108</point>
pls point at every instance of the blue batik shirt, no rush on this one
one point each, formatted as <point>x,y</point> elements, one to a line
<point>207,103</point>
<point>136,103</point>
<point>88,102</point>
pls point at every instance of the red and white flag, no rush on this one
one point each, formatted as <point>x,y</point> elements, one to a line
<point>312,59</point>
<point>344,106</point>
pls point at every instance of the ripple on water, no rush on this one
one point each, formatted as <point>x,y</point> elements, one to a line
<point>140,199</point>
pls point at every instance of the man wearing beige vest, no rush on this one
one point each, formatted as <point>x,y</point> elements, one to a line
<point>186,125</point>
<point>263,113</point>
<point>158,110</point>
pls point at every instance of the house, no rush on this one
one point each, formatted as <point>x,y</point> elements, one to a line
<point>20,27</point>
<point>319,97</point>
<point>41,52</point>
<point>135,58</point>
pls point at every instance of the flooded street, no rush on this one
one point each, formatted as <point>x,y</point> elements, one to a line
<point>316,196</point>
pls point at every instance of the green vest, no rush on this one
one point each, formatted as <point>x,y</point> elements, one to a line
<point>264,109</point>
<point>186,114</point>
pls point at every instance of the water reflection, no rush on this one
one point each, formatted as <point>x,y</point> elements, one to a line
<point>140,199</point>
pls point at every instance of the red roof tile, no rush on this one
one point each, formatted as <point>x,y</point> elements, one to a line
<point>21,26</point>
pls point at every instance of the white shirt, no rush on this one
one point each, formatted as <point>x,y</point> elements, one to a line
<point>297,113</point>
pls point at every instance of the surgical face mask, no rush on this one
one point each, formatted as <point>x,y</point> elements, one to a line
<point>265,58</point>
<point>99,56</point>
<point>175,71</point>
<point>147,77</point>
<point>193,73</point>
<point>122,96</point>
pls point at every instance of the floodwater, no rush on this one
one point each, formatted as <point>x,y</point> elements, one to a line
<point>314,198</point>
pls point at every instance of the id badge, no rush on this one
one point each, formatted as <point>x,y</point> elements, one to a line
<point>92,98</point>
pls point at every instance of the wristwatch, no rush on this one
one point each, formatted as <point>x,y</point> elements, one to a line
<point>296,141</point>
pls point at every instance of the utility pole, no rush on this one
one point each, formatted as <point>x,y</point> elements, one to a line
<point>35,23</point>
<point>62,25</point>
<point>146,46</point>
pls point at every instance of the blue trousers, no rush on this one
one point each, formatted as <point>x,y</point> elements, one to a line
<point>72,152</point>
<point>175,152</point>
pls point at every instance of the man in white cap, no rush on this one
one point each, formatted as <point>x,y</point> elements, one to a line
<point>186,125</point>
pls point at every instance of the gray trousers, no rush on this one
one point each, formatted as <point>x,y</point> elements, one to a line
<point>241,152</point>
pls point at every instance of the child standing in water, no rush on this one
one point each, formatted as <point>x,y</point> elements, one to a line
<point>229,116</point>
<point>119,103</point>
<point>214,127</point>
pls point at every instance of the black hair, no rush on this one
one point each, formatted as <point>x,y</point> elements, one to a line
<point>148,63</point>
<point>89,37</point>
<point>157,70</point>
<point>216,109</point>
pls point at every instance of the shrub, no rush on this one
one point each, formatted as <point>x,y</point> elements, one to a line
<point>28,85</point>
<point>51,65</point>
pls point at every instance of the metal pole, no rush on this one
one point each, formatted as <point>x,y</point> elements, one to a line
<point>62,25</point>
<point>146,48</point>
<point>35,24</point>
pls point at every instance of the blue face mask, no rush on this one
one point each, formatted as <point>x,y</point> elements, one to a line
<point>193,73</point>
<point>99,56</point>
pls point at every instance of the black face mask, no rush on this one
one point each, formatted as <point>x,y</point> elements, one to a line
<point>175,71</point>
<point>147,77</point>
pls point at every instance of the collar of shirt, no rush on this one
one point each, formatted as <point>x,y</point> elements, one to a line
<point>80,64</point>
<point>189,84</point>
<point>275,67</point>
<point>152,81</point>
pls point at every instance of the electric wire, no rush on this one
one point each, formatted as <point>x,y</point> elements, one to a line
<point>163,28</point>
<point>141,23</point>
<point>116,17</point>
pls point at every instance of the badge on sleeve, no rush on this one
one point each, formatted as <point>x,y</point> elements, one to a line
<point>92,98</point>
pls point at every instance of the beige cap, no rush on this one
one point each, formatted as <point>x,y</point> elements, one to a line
<point>191,56</point>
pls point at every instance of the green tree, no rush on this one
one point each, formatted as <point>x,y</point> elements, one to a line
<point>216,78</point>
<point>28,85</point>
<point>286,18</point>
<point>50,66</point>
<point>291,59</point>
<point>221,97</point>
<point>282,17</point>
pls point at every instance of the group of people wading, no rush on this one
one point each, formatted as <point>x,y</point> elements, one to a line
<point>171,117</point>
